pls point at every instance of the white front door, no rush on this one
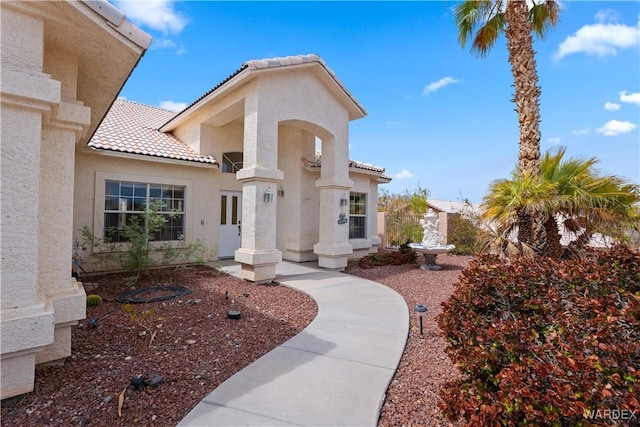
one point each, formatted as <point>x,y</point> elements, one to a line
<point>230,225</point>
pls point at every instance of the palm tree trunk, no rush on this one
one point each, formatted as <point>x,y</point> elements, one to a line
<point>553,238</point>
<point>526,98</point>
<point>524,226</point>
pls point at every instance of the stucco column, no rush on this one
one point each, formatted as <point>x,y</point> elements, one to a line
<point>258,255</point>
<point>333,246</point>
<point>68,121</point>
<point>27,320</point>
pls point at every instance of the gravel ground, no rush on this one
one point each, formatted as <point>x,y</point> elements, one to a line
<point>191,344</point>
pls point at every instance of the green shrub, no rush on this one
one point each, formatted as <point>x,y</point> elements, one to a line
<point>464,234</point>
<point>136,254</point>
<point>543,342</point>
<point>411,232</point>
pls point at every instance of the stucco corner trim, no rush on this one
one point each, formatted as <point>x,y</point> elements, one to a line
<point>26,328</point>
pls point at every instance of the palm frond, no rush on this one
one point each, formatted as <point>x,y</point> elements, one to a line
<point>544,16</point>
<point>480,17</point>
<point>487,36</point>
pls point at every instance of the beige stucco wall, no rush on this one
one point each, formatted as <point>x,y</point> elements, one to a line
<point>47,107</point>
<point>274,117</point>
<point>202,204</point>
<point>298,211</point>
<point>366,183</point>
<point>299,98</point>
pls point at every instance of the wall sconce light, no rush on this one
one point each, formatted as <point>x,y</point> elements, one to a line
<point>280,191</point>
<point>268,195</point>
<point>343,200</point>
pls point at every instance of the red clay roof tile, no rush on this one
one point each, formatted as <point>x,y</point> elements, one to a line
<point>130,127</point>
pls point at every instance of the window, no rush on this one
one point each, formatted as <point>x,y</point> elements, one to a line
<point>231,162</point>
<point>126,201</point>
<point>357,215</point>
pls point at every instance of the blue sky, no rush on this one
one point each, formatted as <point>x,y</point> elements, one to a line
<point>438,116</point>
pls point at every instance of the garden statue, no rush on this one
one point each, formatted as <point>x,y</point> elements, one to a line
<point>431,244</point>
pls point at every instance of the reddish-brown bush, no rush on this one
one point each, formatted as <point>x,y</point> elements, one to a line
<point>403,256</point>
<point>545,343</point>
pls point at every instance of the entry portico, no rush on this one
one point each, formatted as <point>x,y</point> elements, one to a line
<point>282,107</point>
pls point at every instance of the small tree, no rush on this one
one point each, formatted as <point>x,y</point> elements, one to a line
<point>402,211</point>
<point>410,202</point>
<point>135,254</point>
<point>465,230</point>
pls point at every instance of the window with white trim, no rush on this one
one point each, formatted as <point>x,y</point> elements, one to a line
<point>357,215</point>
<point>125,202</point>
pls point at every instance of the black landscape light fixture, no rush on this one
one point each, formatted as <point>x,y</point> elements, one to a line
<point>421,309</point>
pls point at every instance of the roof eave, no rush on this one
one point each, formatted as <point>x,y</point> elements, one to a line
<point>245,72</point>
<point>151,158</point>
<point>224,87</point>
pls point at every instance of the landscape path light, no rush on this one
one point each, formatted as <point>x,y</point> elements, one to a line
<point>421,309</point>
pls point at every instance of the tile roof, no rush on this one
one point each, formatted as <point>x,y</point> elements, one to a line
<point>278,62</point>
<point>352,164</point>
<point>130,127</point>
<point>452,206</point>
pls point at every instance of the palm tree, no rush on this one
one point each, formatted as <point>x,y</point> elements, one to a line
<point>585,201</point>
<point>570,191</point>
<point>517,21</point>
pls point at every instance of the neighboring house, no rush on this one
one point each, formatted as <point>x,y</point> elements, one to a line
<point>448,210</point>
<point>239,167</point>
<point>63,64</point>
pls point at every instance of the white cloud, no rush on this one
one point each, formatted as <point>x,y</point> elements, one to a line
<point>555,140</point>
<point>632,98</point>
<point>404,174</point>
<point>599,39</point>
<point>616,127</point>
<point>434,86</point>
<point>173,106</point>
<point>163,43</point>
<point>611,106</point>
<point>157,14</point>
<point>581,131</point>
<point>607,15</point>
<point>167,44</point>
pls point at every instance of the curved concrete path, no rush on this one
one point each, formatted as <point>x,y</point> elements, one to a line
<point>334,373</point>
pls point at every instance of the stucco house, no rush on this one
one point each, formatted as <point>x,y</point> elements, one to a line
<point>448,210</point>
<point>63,64</point>
<point>241,168</point>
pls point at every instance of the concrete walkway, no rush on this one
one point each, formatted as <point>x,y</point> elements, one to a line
<point>334,373</point>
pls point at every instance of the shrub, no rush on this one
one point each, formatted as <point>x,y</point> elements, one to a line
<point>465,230</point>
<point>544,342</point>
<point>137,254</point>
<point>464,235</point>
<point>405,255</point>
